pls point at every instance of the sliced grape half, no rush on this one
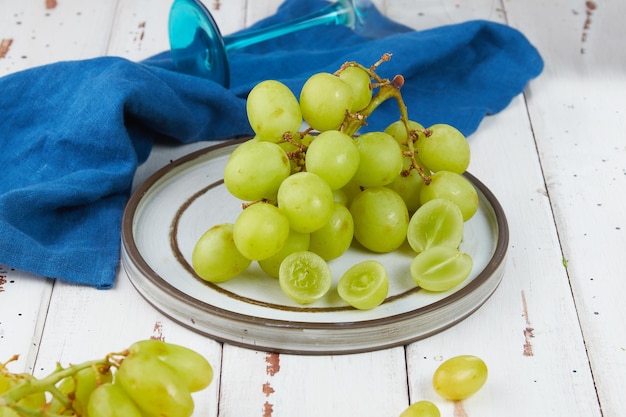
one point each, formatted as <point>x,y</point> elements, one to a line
<point>304,276</point>
<point>365,285</point>
<point>438,222</point>
<point>440,268</point>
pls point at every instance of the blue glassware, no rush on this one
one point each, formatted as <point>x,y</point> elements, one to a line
<point>198,48</point>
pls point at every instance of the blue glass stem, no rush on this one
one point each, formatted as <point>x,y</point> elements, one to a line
<point>339,13</point>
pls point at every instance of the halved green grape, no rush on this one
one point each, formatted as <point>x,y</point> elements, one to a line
<point>325,100</point>
<point>438,222</point>
<point>215,257</point>
<point>272,110</point>
<point>304,277</point>
<point>380,160</point>
<point>334,238</point>
<point>380,219</point>
<point>364,285</point>
<point>421,409</point>
<point>255,170</point>
<point>296,242</point>
<point>194,371</point>
<point>453,187</point>
<point>440,268</point>
<point>154,386</point>
<point>307,201</point>
<point>460,377</point>
<point>359,80</point>
<point>333,156</point>
<point>444,149</point>
<point>260,231</point>
<point>110,400</point>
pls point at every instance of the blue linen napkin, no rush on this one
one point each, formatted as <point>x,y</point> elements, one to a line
<point>73,133</point>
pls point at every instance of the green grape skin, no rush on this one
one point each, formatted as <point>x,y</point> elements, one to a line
<point>460,377</point>
<point>333,156</point>
<point>325,100</point>
<point>359,80</point>
<point>193,370</point>
<point>272,110</point>
<point>408,185</point>
<point>306,200</point>
<point>422,408</point>
<point>380,219</point>
<point>444,149</point>
<point>398,131</point>
<point>454,187</point>
<point>296,242</point>
<point>255,170</point>
<point>438,222</point>
<point>335,237</point>
<point>260,231</point>
<point>110,400</point>
<point>440,268</point>
<point>154,387</point>
<point>215,257</point>
<point>380,160</point>
<point>8,412</point>
<point>305,277</point>
<point>364,285</point>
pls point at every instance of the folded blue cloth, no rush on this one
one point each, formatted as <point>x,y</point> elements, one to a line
<point>73,133</point>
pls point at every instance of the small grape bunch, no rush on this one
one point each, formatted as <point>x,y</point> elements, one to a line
<point>310,193</point>
<point>149,379</point>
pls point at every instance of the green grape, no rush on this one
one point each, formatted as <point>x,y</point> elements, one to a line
<point>8,412</point>
<point>304,277</point>
<point>153,386</point>
<point>78,388</point>
<point>215,257</point>
<point>421,409</point>
<point>260,231</point>
<point>110,400</point>
<point>296,242</point>
<point>193,370</point>
<point>438,222</point>
<point>333,156</point>
<point>340,196</point>
<point>460,377</point>
<point>398,131</point>
<point>364,285</point>
<point>359,80</point>
<point>440,268</point>
<point>380,160</point>
<point>350,190</point>
<point>380,219</point>
<point>306,200</point>
<point>335,237</point>
<point>325,100</point>
<point>453,187</point>
<point>273,110</point>
<point>408,185</point>
<point>255,170</point>
<point>445,149</point>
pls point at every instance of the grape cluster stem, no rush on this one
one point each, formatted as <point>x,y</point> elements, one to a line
<point>48,383</point>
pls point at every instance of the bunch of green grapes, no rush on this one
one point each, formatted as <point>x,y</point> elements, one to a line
<point>310,193</point>
<point>149,379</point>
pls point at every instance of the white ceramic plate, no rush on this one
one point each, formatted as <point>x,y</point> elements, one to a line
<point>168,213</point>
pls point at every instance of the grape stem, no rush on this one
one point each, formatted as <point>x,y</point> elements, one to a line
<point>386,89</point>
<point>48,384</point>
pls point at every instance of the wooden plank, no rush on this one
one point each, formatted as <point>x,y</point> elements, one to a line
<point>577,107</point>
<point>516,332</point>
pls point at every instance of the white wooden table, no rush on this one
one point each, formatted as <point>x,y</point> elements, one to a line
<point>554,332</point>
